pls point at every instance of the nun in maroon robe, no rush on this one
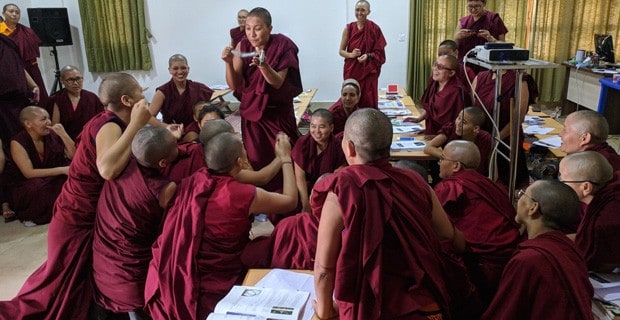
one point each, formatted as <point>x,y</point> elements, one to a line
<point>443,106</point>
<point>73,118</point>
<point>197,258</point>
<point>305,155</point>
<point>608,152</point>
<point>61,288</point>
<point>483,140</point>
<point>481,209</point>
<point>37,209</point>
<point>177,108</point>
<point>545,279</point>
<point>129,217</point>
<point>236,35</point>
<point>265,111</point>
<point>489,21</point>
<point>369,40</point>
<point>13,91</point>
<point>390,263</point>
<point>190,159</point>
<point>597,236</point>
<point>294,242</point>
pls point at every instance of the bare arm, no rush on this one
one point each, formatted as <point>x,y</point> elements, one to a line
<point>234,67</point>
<point>302,186</point>
<point>166,194</point>
<point>329,241</point>
<point>434,146</point>
<point>66,140</point>
<point>189,137</point>
<point>505,131</point>
<point>155,107</point>
<point>274,78</point>
<point>444,228</point>
<point>33,86</point>
<point>55,114</point>
<point>460,33</point>
<point>114,146</point>
<point>356,52</point>
<point>262,176</point>
<point>23,162</point>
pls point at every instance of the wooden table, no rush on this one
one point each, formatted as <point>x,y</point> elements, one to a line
<point>301,106</point>
<point>549,123</point>
<point>219,95</point>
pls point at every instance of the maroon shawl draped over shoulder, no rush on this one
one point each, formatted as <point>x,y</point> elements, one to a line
<point>608,152</point>
<point>190,159</point>
<point>597,235</point>
<point>61,288</point>
<point>128,222</point>
<point>294,242</point>
<point>28,43</point>
<point>197,258</point>
<point>369,40</point>
<point>340,115</point>
<point>265,111</point>
<point>389,263</point>
<point>306,156</point>
<point>483,141</point>
<point>545,279</point>
<point>74,119</point>
<point>442,107</point>
<point>491,21</point>
<point>178,108</point>
<point>13,90</point>
<point>38,208</point>
<point>236,35</point>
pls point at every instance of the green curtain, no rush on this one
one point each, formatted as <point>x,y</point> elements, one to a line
<point>115,35</point>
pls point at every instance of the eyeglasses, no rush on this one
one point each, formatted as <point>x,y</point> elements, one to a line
<point>576,181</point>
<point>75,80</point>
<point>440,66</point>
<point>443,158</point>
<point>521,193</point>
<point>474,6</point>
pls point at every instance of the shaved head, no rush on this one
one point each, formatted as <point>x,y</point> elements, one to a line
<point>465,152</point>
<point>29,113</point>
<point>588,166</point>
<point>177,57</point>
<point>223,151</point>
<point>370,131</point>
<point>592,122</point>
<point>364,2</point>
<point>325,114</point>
<point>452,62</point>
<point>262,14</point>
<point>212,128</point>
<point>477,115</point>
<point>152,144</point>
<point>559,204</point>
<point>413,166</point>
<point>116,85</point>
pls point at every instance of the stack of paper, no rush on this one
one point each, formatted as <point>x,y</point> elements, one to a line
<point>391,104</point>
<point>396,112</point>
<point>536,129</point>
<point>551,142</point>
<point>408,145</point>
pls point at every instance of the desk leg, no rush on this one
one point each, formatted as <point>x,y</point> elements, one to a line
<point>602,99</point>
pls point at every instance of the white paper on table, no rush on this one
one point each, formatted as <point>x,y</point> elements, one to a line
<point>396,112</point>
<point>537,130</point>
<point>284,279</point>
<point>406,129</point>
<point>551,142</point>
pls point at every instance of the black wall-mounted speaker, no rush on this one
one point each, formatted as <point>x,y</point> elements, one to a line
<point>51,25</point>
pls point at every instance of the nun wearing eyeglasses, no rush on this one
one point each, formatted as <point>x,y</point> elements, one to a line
<point>479,27</point>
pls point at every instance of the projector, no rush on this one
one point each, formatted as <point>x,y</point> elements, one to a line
<point>502,54</point>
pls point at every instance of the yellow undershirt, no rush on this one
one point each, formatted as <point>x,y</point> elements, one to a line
<point>5,30</point>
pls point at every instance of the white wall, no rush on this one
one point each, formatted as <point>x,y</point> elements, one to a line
<point>199,30</point>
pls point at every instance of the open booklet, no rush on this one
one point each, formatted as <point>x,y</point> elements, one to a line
<point>245,302</point>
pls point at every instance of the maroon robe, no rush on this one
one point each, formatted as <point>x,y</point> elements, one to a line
<point>485,88</point>
<point>29,207</point>
<point>340,115</point>
<point>483,140</point>
<point>389,263</point>
<point>265,111</point>
<point>28,43</point>
<point>61,288</point>
<point>191,158</point>
<point>13,90</point>
<point>545,279</point>
<point>129,219</point>
<point>490,21</point>
<point>294,242</point>
<point>481,209</point>
<point>73,120</point>
<point>608,152</point>
<point>178,108</point>
<point>597,236</point>
<point>442,107</point>
<point>236,35</point>
<point>197,258</point>
<point>369,40</point>
<point>314,165</point>
<point>192,127</point>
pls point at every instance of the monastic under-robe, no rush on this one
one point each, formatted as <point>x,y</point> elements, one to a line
<point>597,235</point>
<point>491,21</point>
<point>191,158</point>
<point>483,141</point>
<point>369,40</point>
<point>129,219</point>
<point>389,263</point>
<point>481,209</point>
<point>197,258</point>
<point>74,119</point>
<point>545,279</point>
<point>33,199</point>
<point>608,152</point>
<point>62,287</point>
<point>442,107</point>
<point>178,108</point>
<point>314,164</point>
<point>265,111</point>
